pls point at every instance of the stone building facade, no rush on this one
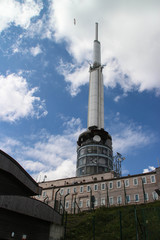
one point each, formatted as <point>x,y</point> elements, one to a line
<point>77,193</point>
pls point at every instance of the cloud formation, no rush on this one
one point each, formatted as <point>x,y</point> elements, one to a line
<point>18,100</point>
<point>149,169</point>
<point>55,155</point>
<point>35,50</point>
<point>18,14</point>
<point>129,33</point>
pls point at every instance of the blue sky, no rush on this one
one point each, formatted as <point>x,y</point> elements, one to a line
<point>44,75</point>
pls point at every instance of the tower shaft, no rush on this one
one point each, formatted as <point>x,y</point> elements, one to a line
<point>96,95</point>
<point>94,146</point>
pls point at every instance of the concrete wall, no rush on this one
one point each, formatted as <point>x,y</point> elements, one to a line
<point>56,232</point>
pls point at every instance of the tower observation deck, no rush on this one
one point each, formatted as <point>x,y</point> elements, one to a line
<point>94,146</point>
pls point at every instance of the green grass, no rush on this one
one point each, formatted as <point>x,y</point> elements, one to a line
<point>104,223</point>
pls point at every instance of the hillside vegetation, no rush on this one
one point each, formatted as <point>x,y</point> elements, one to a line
<point>134,222</point>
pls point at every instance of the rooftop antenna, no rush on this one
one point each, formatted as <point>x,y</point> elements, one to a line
<point>96,32</point>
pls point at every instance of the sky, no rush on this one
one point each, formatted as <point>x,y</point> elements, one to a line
<point>45,54</point>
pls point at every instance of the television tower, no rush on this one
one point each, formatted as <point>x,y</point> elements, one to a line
<point>94,146</point>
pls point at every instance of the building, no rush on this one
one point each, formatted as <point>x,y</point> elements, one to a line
<point>98,178</point>
<point>22,216</point>
<point>107,190</point>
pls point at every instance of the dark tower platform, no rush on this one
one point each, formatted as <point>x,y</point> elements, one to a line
<point>94,152</point>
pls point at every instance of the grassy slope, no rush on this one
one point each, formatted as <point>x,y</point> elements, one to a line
<point>146,219</point>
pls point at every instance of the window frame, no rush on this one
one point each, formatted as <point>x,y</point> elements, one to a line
<point>134,181</point>
<point>153,196</point>
<point>154,179</point>
<point>88,188</point>
<point>66,207</point>
<point>112,200</point>
<point>119,197</point>
<point>135,197</point>
<point>81,190</point>
<point>144,177</point>
<point>96,185</point>
<point>103,199</point>
<point>81,205</point>
<point>126,180</point>
<point>88,203</point>
<point>61,191</point>
<point>111,182</point>
<point>102,184</point>
<point>128,198</point>
<point>118,181</point>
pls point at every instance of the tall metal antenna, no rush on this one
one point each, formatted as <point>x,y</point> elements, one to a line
<point>96,32</point>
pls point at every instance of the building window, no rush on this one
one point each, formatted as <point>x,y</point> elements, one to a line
<point>102,186</point>
<point>153,180</point>
<point>74,190</point>
<point>61,191</point>
<point>136,197</point>
<point>110,185</point>
<point>88,188</point>
<point>81,189</point>
<point>67,204</point>
<point>95,202</point>
<point>111,200</point>
<point>68,190</point>
<point>144,180</point>
<point>44,194</point>
<point>81,203</point>
<point>155,195</point>
<point>135,181</point>
<point>119,184</point>
<point>128,198</point>
<point>102,201</point>
<point>146,197</point>
<point>73,204</point>
<point>95,187</point>
<point>88,203</point>
<point>119,200</point>
<point>126,182</point>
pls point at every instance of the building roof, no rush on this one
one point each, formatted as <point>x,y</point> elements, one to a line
<point>14,179</point>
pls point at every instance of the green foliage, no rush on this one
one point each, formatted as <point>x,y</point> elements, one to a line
<point>116,223</point>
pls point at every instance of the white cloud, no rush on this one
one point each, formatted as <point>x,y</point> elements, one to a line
<point>130,37</point>
<point>55,155</point>
<point>127,137</point>
<point>46,154</point>
<point>17,100</point>
<point>74,75</point>
<point>18,14</point>
<point>149,169</point>
<point>35,50</point>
